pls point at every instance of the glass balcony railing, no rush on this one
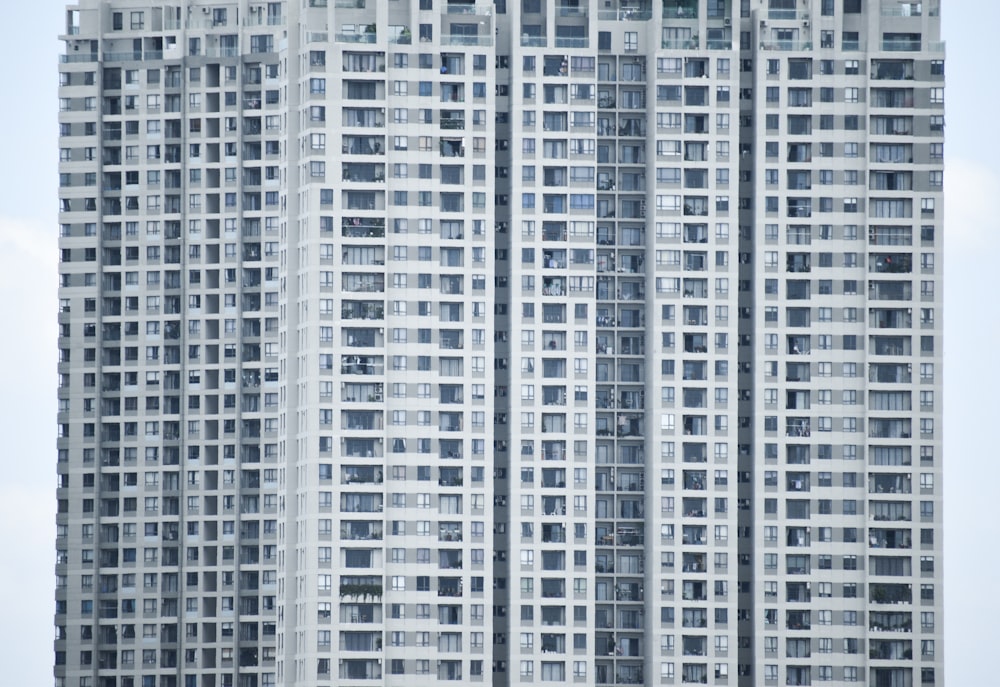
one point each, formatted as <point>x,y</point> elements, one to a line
<point>354,37</point>
<point>901,45</point>
<point>78,57</point>
<point>789,45</point>
<point>691,43</point>
<point>462,39</point>
<point>680,9</point>
<point>465,7</point>
<point>783,14</point>
<point>625,14</point>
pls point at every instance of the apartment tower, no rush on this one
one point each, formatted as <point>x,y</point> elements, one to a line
<point>586,342</point>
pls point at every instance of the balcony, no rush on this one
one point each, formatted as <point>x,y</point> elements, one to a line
<point>787,45</point>
<point>355,310</point>
<point>361,365</point>
<point>680,9</point>
<point>360,474</point>
<point>694,563</point>
<point>629,591</point>
<point>367,37</point>
<point>798,427</point>
<point>363,118</point>
<point>454,121</point>
<point>626,13</point>
<point>890,539</point>
<point>798,262</point>
<point>452,147</point>
<point>465,7</point>
<point>690,43</point>
<point>911,9</point>
<point>798,345</point>
<point>892,97</point>
<point>890,345</point>
<point>880,621</point>
<point>451,481</point>
<point>466,39</point>
<point>401,35</point>
<point>449,587</point>
<point>363,145</point>
<point>890,263</point>
<point>696,208</point>
<point>890,484</point>
<point>626,675</point>
<point>450,532</point>
<point>890,594</point>
<point>798,207</point>
<point>362,172</point>
<point>901,44</point>
<point>571,8</point>
<point>891,511</point>
<point>553,534</point>
<point>361,591</point>
<point>360,503</point>
<point>78,57</point>
<point>884,318</point>
<point>363,227</point>
<point>890,290</point>
<point>360,670</point>
<point>566,41</point>
<point>890,373</point>
<point>785,14</point>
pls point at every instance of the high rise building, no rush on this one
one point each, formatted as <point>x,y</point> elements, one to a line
<point>446,340</point>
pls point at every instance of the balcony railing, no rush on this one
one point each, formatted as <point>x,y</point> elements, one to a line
<point>680,43</point>
<point>460,39</point>
<point>781,14</point>
<point>787,45</point>
<point>625,15</point>
<point>463,8</point>
<point>354,37</point>
<point>904,45</point>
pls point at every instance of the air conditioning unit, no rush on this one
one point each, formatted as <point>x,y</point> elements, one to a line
<point>805,23</point>
<point>727,21</point>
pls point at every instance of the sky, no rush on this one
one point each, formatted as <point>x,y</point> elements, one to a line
<point>28,281</point>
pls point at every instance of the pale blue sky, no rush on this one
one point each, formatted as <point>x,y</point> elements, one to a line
<point>28,256</point>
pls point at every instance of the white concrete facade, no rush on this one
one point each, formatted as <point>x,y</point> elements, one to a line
<point>419,341</point>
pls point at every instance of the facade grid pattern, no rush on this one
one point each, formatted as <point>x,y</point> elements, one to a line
<point>579,342</point>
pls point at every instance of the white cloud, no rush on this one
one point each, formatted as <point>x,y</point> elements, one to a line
<point>972,222</point>
<point>27,582</point>
<point>28,282</point>
<point>971,407</point>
